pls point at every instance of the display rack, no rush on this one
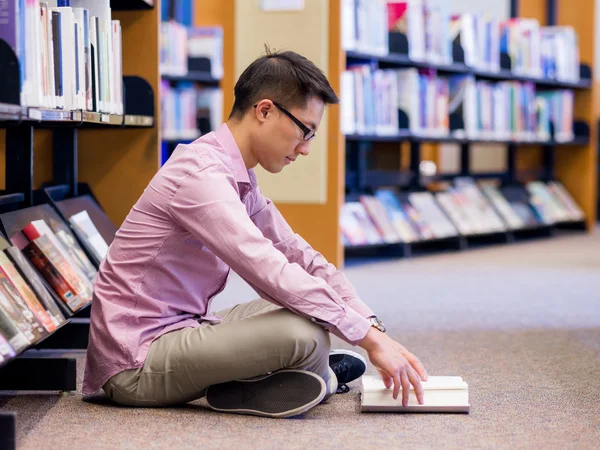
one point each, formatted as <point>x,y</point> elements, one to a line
<point>60,143</point>
<point>573,162</point>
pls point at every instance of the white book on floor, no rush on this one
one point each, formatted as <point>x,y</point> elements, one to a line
<point>441,394</point>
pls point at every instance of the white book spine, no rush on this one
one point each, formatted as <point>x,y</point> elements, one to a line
<point>81,95</point>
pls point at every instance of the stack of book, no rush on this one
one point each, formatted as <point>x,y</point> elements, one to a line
<point>45,277</point>
<point>465,209</point>
<point>70,55</point>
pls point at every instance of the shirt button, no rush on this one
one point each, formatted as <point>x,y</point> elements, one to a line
<point>313,319</point>
<point>351,330</point>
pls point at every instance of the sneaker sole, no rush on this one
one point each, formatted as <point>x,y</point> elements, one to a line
<point>282,394</point>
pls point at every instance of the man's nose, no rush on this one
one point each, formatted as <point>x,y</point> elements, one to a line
<point>303,148</point>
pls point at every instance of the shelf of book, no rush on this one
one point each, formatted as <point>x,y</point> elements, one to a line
<point>397,60</point>
<point>457,243</point>
<point>561,90</point>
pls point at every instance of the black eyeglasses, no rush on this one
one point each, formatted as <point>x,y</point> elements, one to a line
<point>308,132</point>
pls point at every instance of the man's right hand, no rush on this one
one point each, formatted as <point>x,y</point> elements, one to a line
<point>396,365</point>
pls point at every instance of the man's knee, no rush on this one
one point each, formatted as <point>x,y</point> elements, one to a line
<point>303,334</point>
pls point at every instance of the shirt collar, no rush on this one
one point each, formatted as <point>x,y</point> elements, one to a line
<point>224,136</point>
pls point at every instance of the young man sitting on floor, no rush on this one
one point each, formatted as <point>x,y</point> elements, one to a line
<point>153,341</point>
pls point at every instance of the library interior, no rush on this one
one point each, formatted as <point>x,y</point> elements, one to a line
<point>376,218</point>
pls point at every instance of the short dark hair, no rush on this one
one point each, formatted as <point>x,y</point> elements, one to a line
<point>282,76</point>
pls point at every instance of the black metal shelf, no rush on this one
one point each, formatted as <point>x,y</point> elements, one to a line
<point>393,60</point>
<point>406,136</point>
<point>194,77</point>
<point>461,242</point>
<point>131,5</point>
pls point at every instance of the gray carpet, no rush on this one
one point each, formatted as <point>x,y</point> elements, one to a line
<point>520,323</point>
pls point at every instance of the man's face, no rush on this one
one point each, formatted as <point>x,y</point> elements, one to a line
<point>278,139</point>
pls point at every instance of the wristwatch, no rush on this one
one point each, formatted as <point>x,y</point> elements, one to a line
<point>376,323</point>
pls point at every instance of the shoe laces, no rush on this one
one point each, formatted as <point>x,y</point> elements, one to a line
<point>340,368</point>
<point>342,389</point>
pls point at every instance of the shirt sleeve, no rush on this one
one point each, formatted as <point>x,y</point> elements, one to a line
<point>273,225</point>
<point>208,205</point>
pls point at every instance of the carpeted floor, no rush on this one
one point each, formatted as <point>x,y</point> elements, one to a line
<point>520,323</point>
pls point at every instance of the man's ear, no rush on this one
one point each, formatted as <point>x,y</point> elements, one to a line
<point>263,108</point>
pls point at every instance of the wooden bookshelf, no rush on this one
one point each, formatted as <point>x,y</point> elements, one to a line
<point>118,165</point>
<point>576,166</point>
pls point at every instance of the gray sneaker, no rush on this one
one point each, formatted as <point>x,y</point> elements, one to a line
<point>281,394</point>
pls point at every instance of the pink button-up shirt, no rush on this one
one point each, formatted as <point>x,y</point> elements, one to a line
<point>201,215</point>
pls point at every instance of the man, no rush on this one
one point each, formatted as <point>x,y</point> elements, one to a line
<point>153,341</point>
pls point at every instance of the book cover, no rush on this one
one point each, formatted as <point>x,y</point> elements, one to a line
<point>6,351</point>
<point>89,235</point>
<point>56,270</point>
<point>26,293</point>
<point>10,331</point>
<point>400,220</point>
<point>441,394</point>
<point>379,217</point>
<point>65,242</point>
<point>26,320</point>
<point>13,315</point>
<point>36,283</point>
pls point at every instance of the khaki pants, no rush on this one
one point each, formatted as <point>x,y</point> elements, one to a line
<point>254,339</point>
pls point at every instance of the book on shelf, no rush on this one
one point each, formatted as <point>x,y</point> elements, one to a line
<point>544,199</point>
<point>6,351</point>
<point>512,220</point>
<point>35,283</point>
<point>486,218</point>
<point>377,212</point>
<point>355,217</point>
<point>441,394</point>
<point>431,29</point>
<point>550,52</point>
<point>439,223</point>
<point>397,216</point>
<point>9,328</point>
<point>364,26</point>
<point>173,49</point>
<point>60,49</point>
<point>206,43</point>
<point>575,213</point>
<point>464,208</point>
<point>19,315</point>
<point>483,110</point>
<point>47,255</point>
<point>70,250</point>
<point>23,289</point>
<point>518,199</point>
<point>189,111</point>
<point>90,236</point>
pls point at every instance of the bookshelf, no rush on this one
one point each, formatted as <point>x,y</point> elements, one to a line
<point>198,73</point>
<point>56,160</point>
<point>573,162</point>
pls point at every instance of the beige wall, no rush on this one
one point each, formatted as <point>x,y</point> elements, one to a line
<point>305,32</point>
